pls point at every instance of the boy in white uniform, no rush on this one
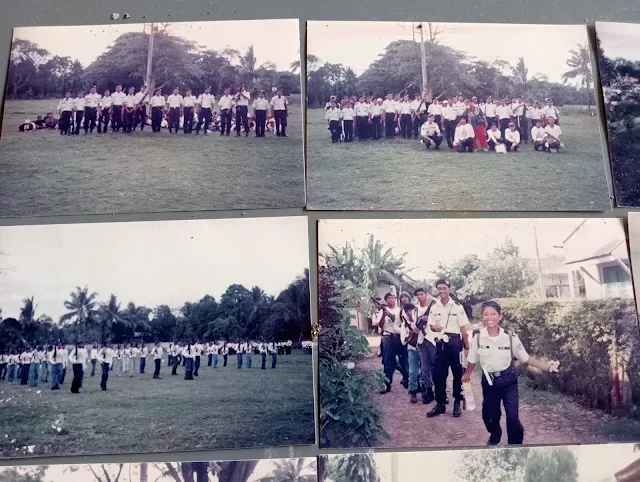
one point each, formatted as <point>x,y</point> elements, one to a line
<point>538,136</point>
<point>553,135</point>
<point>512,138</point>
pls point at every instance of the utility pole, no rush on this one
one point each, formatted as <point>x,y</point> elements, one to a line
<point>538,267</point>
<point>423,58</point>
<point>149,81</point>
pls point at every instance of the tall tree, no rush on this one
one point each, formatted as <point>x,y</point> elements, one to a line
<point>554,463</point>
<point>359,468</point>
<point>109,315</point>
<point>292,470</point>
<point>82,309</point>
<point>579,63</point>
<point>28,320</point>
<point>496,465</point>
<point>520,75</point>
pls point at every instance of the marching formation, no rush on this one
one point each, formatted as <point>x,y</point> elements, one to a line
<point>31,366</point>
<point>125,111</point>
<point>427,340</point>
<point>465,124</point>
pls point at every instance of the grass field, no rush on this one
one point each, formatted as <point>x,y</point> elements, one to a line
<point>402,175</point>
<point>221,409</point>
<point>43,173</point>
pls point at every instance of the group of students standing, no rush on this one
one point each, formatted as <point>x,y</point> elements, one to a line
<point>31,366</point>
<point>125,111</point>
<point>427,340</point>
<point>464,123</point>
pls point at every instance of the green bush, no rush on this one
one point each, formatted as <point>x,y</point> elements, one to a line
<point>584,336</point>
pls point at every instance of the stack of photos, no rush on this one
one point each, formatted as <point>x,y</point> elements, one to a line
<point>525,118</point>
<point>152,117</point>
<point>301,469</point>
<point>155,337</point>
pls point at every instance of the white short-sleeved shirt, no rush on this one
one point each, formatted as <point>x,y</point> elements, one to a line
<point>490,110</point>
<point>451,317</point>
<point>534,113</point>
<point>518,109</point>
<point>460,107</point>
<point>435,109</point>
<point>550,111</point>
<point>79,356</point>
<point>260,104</point>
<point>66,105</point>
<point>141,97</point>
<point>105,102</point>
<point>537,133</point>
<point>225,102</point>
<point>419,106</point>
<point>188,351</point>
<point>94,354</point>
<point>406,107</point>
<point>157,352</point>
<point>105,355</point>
<point>279,103</point>
<point>334,114</point>
<point>463,132</point>
<point>92,100</point>
<point>175,101</point>
<point>494,352</point>
<point>389,106</point>
<point>158,101</point>
<point>376,110</point>
<point>118,97</point>
<point>206,101</point>
<point>391,327</point>
<point>243,98</point>
<point>189,101</point>
<point>428,129</point>
<point>494,136</point>
<point>449,113</point>
<point>130,101</point>
<point>555,131</point>
<point>79,103</point>
<point>512,136</point>
<point>503,112</point>
<point>362,109</point>
<point>348,113</point>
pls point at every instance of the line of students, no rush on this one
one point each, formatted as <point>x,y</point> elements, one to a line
<point>425,342</point>
<point>366,118</point>
<point>37,365</point>
<point>124,112</point>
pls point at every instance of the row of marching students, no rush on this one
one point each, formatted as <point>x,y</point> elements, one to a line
<point>368,118</point>
<point>192,113</point>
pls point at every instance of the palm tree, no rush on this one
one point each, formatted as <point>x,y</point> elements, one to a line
<point>293,470</point>
<point>82,309</point>
<point>110,315</point>
<point>292,306</point>
<point>359,468</point>
<point>520,75</point>
<point>579,62</point>
<point>248,67</point>
<point>27,319</point>
<point>136,318</point>
<point>312,61</point>
<point>381,265</point>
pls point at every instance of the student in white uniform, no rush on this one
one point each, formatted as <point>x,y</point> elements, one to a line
<point>389,323</point>
<point>512,138</point>
<point>449,115</point>
<point>426,343</point>
<point>348,116</point>
<point>489,109</point>
<point>188,105</point>
<point>226,108</point>
<point>503,112</point>
<point>142,99</point>
<point>538,136</point>
<point>242,99</point>
<point>105,355</point>
<point>389,107</point>
<point>176,357</point>
<point>197,357</point>
<point>553,135</point>
<point>157,359</point>
<point>46,364</point>
<point>58,360</point>
<point>215,349</point>
<point>280,107</point>
<point>334,116</point>
<point>448,320</point>
<point>188,353</point>
<point>550,110</point>
<point>494,137</point>
<point>65,111</point>
<point>143,352</point>
<point>272,348</point>
<point>117,102</point>
<point>4,361</point>
<point>406,112</point>
<point>430,133</point>
<point>34,368</point>
<point>240,350</point>
<point>78,359</point>
<point>117,361</point>
<point>135,353</point>
<point>495,349</point>
<point>362,113</point>
<point>175,103</point>
<point>435,109</point>
<point>260,109</point>
<point>206,110</point>
<point>158,105</point>
<point>78,112</point>
<point>463,138</point>
<point>12,363</point>
<point>92,103</point>
<point>93,356</point>
<point>129,114</point>
<point>65,362</point>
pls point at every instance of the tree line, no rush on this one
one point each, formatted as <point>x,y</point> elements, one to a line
<point>240,313</point>
<point>35,73</point>
<point>447,72</point>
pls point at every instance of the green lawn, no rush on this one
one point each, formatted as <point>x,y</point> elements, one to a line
<point>402,175</point>
<point>43,173</point>
<point>222,409</point>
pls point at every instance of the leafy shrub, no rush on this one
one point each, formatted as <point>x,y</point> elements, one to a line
<point>587,337</point>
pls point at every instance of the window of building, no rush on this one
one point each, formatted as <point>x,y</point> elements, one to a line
<point>617,282</point>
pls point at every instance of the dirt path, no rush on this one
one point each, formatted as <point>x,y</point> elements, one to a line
<point>552,423</point>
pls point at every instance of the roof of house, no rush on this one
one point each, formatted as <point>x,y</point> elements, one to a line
<point>602,252</point>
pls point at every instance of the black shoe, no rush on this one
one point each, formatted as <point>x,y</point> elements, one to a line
<point>439,409</point>
<point>457,411</point>
<point>386,389</point>
<point>283,135</point>
<point>427,396</point>
<point>413,398</point>
<point>237,134</point>
<point>405,383</point>
<point>493,441</point>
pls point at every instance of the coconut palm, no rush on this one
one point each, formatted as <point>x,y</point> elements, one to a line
<point>248,67</point>
<point>110,315</point>
<point>292,470</point>
<point>312,61</point>
<point>82,309</point>
<point>381,265</point>
<point>28,322</point>
<point>135,318</point>
<point>359,468</point>
<point>579,62</point>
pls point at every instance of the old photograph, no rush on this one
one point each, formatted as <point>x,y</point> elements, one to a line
<point>634,248</point>
<point>510,124</point>
<point>462,333</point>
<point>586,463</point>
<point>619,60</point>
<point>152,117</point>
<point>267,470</point>
<point>155,337</point>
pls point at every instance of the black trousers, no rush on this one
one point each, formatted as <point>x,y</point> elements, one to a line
<point>204,119</point>
<point>389,125</point>
<point>156,119</point>
<point>504,125</point>
<point>187,125</point>
<point>242,119</point>
<point>523,126</point>
<point>157,362</point>
<point>448,357</point>
<point>348,130</point>
<point>394,355</point>
<point>210,360</point>
<point>90,115</point>
<point>363,128</point>
<point>376,128</point>
<point>450,131</point>
<point>225,121</point>
<point>196,365</point>
<point>78,374</point>
<point>509,145</point>
<point>465,145</point>
<point>24,373</point>
<point>103,122</point>
<point>492,144</point>
<point>141,116</point>
<point>116,117</point>
<point>225,358</point>
<point>143,364</point>
<point>174,119</point>
<point>435,138</point>
<point>65,122</point>
<point>280,117</point>
<point>491,399</point>
<point>78,121</point>
<point>176,363</point>
<point>128,120</point>
<point>405,126</point>
<point>105,375</point>
<point>336,130</point>
<point>537,145</point>
<point>261,122</point>
<point>418,120</point>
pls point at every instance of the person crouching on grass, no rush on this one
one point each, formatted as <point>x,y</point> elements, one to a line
<point>512,138</point>
<point>334,116</point>
<point>495,349</point>
<point>538,136</point>
<point>430,133</point>
<point>464,136</point>
<point>553,135</point>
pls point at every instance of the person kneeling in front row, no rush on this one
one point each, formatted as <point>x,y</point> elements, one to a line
<point>538,136</point>
<point>463,138</point>
<point>495,349</point>
<point>430,133</point>
<point>553,135</point>
<point>512,138</point>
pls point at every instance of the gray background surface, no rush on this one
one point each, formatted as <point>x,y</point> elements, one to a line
<point>83,12</point>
